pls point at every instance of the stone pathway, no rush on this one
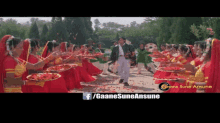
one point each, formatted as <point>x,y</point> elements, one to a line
<point>142,83</point>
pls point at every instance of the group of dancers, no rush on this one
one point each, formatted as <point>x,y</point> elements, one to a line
<point>201,65</point>
<point>19,59</point>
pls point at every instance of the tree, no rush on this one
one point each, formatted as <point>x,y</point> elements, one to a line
<point>44,34</point>
<point>34,33</point>
<point>117,37</point>
<point>97,24</point>
<point>58,30</point>
<point>79,28</point>
<point>164,27</point>
<point>217,29</point>
<point>133,24</point>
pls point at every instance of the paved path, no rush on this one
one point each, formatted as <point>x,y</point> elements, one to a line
<point>142,83</point>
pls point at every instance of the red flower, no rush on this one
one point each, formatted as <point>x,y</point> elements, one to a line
<point>172,68</point>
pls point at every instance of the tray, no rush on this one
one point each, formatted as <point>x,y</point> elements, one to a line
<point>40,74</point>
<point>174,71</point>
<point>53,67</point>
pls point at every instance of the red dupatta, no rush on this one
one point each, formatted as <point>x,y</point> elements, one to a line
<point>63,47</point>
<point>2,58</point>
<point>24,55</point>
<point>44,53</point>
<point>214,75</point>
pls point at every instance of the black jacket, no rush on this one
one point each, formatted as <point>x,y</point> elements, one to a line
<point>128,52</point>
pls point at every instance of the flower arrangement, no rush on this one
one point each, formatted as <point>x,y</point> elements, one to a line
<point>59,68</point>
<point>172,68</point>
<point>43,76</point>
<point>160,60</point>
<point>99,54</point>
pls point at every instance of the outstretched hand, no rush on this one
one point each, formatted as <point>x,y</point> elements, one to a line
<point>56,54</point>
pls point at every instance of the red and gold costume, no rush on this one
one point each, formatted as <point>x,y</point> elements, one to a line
<point>90,68</point>
<point>10,65</point>
<point>58,85</point>
<point>71,76</point>
<point>162,74</point>
<point>180,86</point>
<point>214,72</point>
<point>35,88</point>
<point>81,74</point>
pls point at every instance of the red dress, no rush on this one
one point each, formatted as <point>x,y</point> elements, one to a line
<point>71,77</point>
<point>33,88</point>
<point>161,74</point>
<point>157,73</point>
<point>206,71</point>
<point>178,89</point>
<point>84,75</point>
<point>90,68</point>
<point>56,86</point>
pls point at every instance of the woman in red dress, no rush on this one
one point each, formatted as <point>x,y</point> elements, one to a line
<point>34,58</point>
<point>55,86</point>
<point>13,67</point>
<point>91,69</point>
<point>208,72</point>
<point>168,55</point>
<point>84,75</point>
<point>198,63</point>
<point>163,52</point>
<point>187,55</point>
<point>213,70</point>
<point>72,75</point>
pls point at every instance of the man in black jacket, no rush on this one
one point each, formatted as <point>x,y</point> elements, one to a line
<point>123,54</point>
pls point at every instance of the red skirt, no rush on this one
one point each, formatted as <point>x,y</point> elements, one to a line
<point>69,79</point>
<point>90,68</point>
<point>56,86</point>
<point>161,74</point>
<point>34,89</point>
<point>76,78</point>
<point>84,75</point>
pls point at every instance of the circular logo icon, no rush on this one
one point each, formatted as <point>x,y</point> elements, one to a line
<point>164,86</point>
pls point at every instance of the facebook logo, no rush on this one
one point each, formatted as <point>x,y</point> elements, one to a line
<point>87,96</point>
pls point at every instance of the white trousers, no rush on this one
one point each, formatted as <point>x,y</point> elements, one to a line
<point>123,68</point>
